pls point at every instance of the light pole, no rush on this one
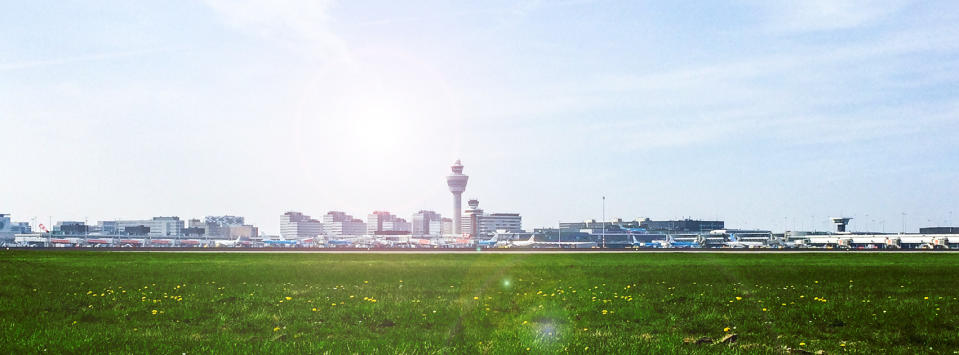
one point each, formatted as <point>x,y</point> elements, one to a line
<point>604,222</point>
<point>903,223</point>
<point>560,229</point>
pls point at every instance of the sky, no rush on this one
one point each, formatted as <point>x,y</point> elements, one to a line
<point>765,114</point>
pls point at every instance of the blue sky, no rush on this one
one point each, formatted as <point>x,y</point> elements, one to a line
<point>765,114</point>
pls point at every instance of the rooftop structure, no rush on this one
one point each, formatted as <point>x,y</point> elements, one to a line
<point>840,223</point>
<point>939,230</point>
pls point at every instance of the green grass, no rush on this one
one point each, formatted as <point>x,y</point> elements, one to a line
<point>490,303</point>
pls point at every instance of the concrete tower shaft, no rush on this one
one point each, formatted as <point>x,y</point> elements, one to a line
<point>457,184</point>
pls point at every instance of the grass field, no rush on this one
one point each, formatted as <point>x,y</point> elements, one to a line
<point>491,303</point>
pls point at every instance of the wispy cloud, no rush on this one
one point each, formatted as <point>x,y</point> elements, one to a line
<point>83,58</point>
<point>824,15</point>
<point>303,25</point>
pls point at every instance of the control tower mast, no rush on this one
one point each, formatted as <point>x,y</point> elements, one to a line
<point>457,183</point>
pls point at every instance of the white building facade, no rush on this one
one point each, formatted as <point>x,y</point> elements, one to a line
<point>338,223</point>
<point>477,222</point>
<point>295,225</point>
<point>379,222</point>
<point>159,226</point>
<point>426,223</point>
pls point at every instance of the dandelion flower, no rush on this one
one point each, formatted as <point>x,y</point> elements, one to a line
<point>802,344</point>
<point>154,312</point>
<point>276,329</point>
<point>726,329</point>
<point>288,298</point>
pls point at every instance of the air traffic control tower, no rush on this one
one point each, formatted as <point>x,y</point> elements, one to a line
<point>840,223</point>
<point>457,184</point>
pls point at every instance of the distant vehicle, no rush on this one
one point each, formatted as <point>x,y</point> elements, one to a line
<point>129,243</point>
<point>100,242</point>
<point>342,243</point>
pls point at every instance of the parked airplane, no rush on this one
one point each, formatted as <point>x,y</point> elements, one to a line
<point>524,243</point>
<point>271,242</point>
<point>650,244</point>
<point>532,243</point>
<point>566,244</point>
<point>673,243</point>
<point>339,243</point>
<point>734,242</point>
<point>489,243</point>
